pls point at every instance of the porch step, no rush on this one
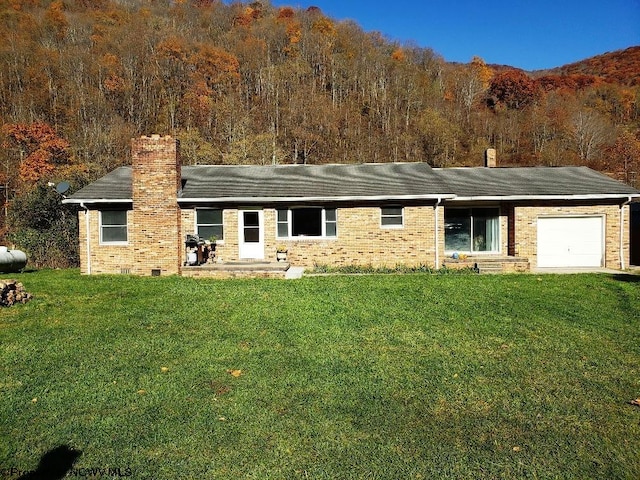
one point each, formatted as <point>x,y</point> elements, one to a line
<point>248,266</point>
<point>491,264</point>
<point>254,266</point>
<point>489,267</point>
<point>247,269</point>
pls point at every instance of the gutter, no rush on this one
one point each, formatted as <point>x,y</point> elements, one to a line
<point>544,197</point>
<point>81,202</point>
<point>622,205</point>
<point>437,197</point>
<point>245,200</point>
<point>311,199</point>
<point>87,231</point>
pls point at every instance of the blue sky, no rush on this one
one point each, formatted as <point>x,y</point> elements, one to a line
<point>530,34</point>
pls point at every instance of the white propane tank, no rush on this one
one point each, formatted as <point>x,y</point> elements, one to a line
<point>12,261</point>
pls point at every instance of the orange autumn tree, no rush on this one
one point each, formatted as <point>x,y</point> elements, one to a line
<point>512,88</point>
<point>623,158</point>
<point>55,20</point>
<point>39,150</point>
<point>217,68</point>
<point>36,221</point>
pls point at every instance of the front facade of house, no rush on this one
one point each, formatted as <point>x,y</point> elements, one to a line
<point>139,219</point>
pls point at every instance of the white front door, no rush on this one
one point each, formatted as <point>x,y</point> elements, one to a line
<point>570,241</point>
<point>251,234</point>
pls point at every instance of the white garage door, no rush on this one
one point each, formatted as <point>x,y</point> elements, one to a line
<point>570,241</point>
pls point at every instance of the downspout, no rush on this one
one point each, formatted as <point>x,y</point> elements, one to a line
<point>622,266</point>
<point>87,225</point>
<point>435,209</point>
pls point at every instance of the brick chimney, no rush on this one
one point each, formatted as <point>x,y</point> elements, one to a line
<point>490,158</point>
<point>156,181</point>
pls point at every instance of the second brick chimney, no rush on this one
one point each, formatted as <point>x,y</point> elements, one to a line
<point>490,158</point>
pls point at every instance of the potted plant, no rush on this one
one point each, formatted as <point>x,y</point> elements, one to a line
<point>281,253</point>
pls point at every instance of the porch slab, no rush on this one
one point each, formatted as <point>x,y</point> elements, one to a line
<point>247,269</point>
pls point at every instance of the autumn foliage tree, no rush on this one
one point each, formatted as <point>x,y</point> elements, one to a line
<point>37,221</point>
<point>513,89</point>
<point>55,20</point>
<point>38,150</point>
<point>623,158</point>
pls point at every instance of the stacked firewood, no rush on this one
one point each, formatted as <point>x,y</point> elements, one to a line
<point>12,292</point>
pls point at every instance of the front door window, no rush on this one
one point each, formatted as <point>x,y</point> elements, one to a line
<point>251,227</point>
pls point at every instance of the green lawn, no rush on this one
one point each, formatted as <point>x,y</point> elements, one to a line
<point>381,376</point>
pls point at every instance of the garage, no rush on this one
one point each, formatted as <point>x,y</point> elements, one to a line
<point>570,241</point>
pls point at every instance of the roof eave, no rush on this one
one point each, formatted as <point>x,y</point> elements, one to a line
<point>479,198</point>
<point>80,201</point>
<point>241,200</point>
<point>591,196</point>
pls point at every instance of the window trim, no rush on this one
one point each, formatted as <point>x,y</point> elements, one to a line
<point>471,251</point>
<point>383,217</point>
<point>196,224</point>
<point>289,224</point>
<point>102,226</point>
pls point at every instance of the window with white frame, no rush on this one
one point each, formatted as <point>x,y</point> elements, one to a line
<point>113,226</point>
<point>472,229</point>
<point>392,217</point>
<point>209,225</point>
<point>307,222</point>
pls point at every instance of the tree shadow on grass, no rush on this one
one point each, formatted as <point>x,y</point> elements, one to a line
<point>54,464</point>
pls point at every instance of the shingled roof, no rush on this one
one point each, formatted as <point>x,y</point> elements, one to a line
<point>380,181</point>
<point>115,186</point>
<point>225,183</point>
<point>312,182</point>
<point>531,182</point>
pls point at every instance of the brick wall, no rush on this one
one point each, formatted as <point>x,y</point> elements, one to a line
<point>227,247</point>
<point>228,250</point>
<point>525,234</point>
<point>360,240</point>
<point>187,227</point>
<point>103,258</point>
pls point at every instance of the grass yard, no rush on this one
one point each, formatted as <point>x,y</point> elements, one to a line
<point>336,377</point>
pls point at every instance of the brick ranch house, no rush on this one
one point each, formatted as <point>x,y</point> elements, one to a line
<point>150,218</point>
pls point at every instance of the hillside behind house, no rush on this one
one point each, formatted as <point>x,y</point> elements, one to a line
<point>621,67</point>
<point>251,83</point>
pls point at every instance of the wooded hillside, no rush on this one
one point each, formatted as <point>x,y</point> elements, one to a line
<point>252,83</point>
<point>621,67</point>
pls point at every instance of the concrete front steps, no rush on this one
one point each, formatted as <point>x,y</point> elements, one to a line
<point>243,269</point>
<point>490,263</point>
